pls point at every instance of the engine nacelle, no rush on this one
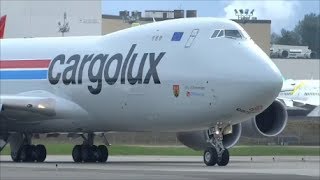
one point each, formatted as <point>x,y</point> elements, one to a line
<point>197,140</point>
<point>270,122</point>
<point>313,55</point>
<point>284,54</point>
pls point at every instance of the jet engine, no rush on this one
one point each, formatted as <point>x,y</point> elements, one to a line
<point>311,55</point>
<point>284,54</point>
<point>197,140</point>
<point>270,122</point>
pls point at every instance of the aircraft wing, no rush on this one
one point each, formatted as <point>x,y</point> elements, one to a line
<point>286,88</point>
<point>35,106</point>
<point>287,102</point>
<point>288,85</point>
<point>315,112</point>
<point>304,103</point>
<point>298,103</point>
<point>312,108</point>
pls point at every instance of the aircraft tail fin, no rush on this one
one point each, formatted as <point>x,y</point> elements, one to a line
<point>2,25</point>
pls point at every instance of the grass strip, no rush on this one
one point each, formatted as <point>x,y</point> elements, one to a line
<point>66,149</point>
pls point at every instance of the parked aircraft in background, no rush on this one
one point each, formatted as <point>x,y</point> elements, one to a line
<point>192,76</point>
<point>303,96</point>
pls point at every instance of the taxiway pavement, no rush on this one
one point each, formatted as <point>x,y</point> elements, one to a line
<point>163,167</point>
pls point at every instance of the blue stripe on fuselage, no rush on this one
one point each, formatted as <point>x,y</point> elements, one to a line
<point>24,74</point>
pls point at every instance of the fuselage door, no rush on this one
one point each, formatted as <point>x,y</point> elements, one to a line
<point>192,37</point>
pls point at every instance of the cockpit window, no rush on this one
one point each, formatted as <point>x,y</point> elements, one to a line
<point>229,33</point>
<point>233,33</point>
<point>221,33</point>
<point>215,33</point>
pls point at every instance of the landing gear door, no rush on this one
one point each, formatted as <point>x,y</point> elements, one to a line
<point>192,37</point>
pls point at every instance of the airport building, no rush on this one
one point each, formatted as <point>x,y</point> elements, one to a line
<point>49,18</point>
<point>259,31</point>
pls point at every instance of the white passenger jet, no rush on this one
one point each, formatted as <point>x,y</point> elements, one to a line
<point>199,77</point>
<point>304,96</point>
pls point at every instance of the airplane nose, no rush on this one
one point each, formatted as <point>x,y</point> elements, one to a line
<point>273,79</point>
<point>268,77</point>
<point>256,80</point>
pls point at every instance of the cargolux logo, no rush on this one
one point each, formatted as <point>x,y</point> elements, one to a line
<point>99,67</point>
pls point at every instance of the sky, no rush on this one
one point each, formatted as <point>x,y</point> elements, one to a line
<point>282,13</point>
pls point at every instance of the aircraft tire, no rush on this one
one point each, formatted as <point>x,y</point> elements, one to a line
<point>86,153</point>
<point>16,156</point>
<point>210,156</point>
<point>40,153</point>
<point>224,160</point>
<point>94,153</point>
<point>26,153</point>
<point>33,156</point>
<point>76,153</point>
<point>103,153</point>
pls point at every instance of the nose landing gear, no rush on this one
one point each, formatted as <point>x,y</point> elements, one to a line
<point>217,154</point>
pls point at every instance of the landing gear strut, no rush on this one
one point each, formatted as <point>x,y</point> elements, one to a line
<point>23,151</point>
<point>217,154</point>
<point>88,152</point>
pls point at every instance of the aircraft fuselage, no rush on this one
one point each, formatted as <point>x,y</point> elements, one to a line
<point>166,76</point>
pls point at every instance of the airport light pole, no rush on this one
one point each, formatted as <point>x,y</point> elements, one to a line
<point>243,14</point>
<point>64,27</point>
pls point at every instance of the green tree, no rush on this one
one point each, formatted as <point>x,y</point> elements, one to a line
<point>289,38</point>
<point>309,31</point>
<point>275,38</point>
